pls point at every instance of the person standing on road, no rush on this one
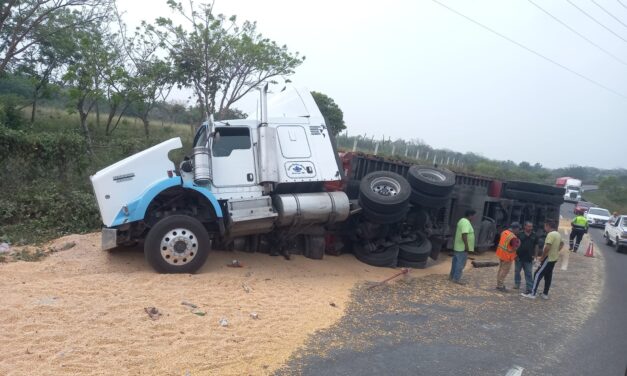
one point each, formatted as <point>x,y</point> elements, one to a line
<point>506,252</point>
<point>552,246</point>
<point>579,227</point>
<point>613,218</point>
<point>464,243</point>
<point>524,256</point>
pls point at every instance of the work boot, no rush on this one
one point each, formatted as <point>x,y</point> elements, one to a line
<point>460,282</point>
<point>516,287</point>
<point>501,288</point>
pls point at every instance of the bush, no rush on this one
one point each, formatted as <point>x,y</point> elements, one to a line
<point>10,114</point>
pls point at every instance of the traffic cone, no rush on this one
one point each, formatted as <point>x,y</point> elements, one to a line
<point>590,250</point>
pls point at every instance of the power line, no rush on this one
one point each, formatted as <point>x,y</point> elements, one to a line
<point>595,20</point>
<point>579,34</point>
<point>610,14</point>
<point>624,6</point>
<point>530,50</point>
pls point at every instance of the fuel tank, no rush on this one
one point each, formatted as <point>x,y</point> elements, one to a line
<point>311,208</point>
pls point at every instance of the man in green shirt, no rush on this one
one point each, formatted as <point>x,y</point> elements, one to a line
<point>464,243</point>
<point>552,246</point>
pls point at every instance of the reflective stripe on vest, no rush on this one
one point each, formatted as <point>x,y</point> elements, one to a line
<point>504,242</point>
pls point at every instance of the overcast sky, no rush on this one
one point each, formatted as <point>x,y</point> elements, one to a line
<point>414,69</point>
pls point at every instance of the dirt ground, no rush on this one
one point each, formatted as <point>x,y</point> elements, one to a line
<point>82,311</point>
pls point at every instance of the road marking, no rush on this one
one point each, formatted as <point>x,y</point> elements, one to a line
<point>515,371</point>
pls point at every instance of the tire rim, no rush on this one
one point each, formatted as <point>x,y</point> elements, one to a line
<point>385,186</point>
<point>432,175</point>
<point>179,246</point>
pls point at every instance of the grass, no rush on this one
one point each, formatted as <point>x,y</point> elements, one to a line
<point>603,200</point>
<point>45,206</point>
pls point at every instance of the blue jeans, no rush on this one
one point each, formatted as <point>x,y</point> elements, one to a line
<point>527,267</point>
<point>458,264</point>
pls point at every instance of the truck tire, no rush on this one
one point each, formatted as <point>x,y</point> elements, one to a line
<point>177,244</point>
<point>383,219</point>
<point>532,197</point>
<point>415,251</point>
<point>387,258</point>
<point>534,187</point>
<point>384,192</point>
<point>430,180</point>
<point>412,264</point>
<point>428,201</point>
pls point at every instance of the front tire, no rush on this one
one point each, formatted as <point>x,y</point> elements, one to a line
<point>177,244</point>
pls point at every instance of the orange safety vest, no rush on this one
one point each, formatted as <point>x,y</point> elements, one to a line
<point>505,251</point>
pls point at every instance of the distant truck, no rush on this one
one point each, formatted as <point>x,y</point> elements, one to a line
<point>572,187</point>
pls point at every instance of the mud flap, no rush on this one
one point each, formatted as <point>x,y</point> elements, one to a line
<point>109,238</point>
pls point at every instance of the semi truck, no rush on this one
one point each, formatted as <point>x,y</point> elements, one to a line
<point>572,188</point>
<point>277,184</point>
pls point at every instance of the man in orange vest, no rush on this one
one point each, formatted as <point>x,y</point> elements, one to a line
<point>506,252</point>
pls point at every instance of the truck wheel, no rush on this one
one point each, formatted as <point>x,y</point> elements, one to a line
<point>387,258</point>
<point>412,264</point>
<point>177,244</point>
<point>416,251</point>
<point>384,192</point>
<point>617,245</point>
<point>431,180</point>
<point>383,219</point>
<point>428,201</point>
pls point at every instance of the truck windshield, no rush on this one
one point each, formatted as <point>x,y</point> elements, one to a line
<point>573,188</point>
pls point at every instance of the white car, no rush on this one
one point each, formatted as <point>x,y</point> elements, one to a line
<point>616,233</point>
<point>597,217</point>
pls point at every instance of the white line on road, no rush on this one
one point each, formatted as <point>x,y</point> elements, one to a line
<point>515,371</point>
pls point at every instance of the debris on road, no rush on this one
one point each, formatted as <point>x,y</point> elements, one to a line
<point>333,304</point>
<point>403,271</point>
<point>153,312</point>
<point>235,264</point>
<point>254,315</point>
<point>223,322</point>
<point>191,305</point>
<point>484,264</point>
<point>247,288</point>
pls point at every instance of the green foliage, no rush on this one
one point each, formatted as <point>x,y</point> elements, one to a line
<point>332,113</point>
<point>10,114</point>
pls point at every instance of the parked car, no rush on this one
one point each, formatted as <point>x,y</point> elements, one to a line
<point>616,233</point>
<point>583,206</point>
<point>597,217</point>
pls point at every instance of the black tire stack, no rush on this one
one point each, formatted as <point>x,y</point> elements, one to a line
<point>414,252</point>
<point>525,191</point>
<point>431,187</point>
<point>384,197</point>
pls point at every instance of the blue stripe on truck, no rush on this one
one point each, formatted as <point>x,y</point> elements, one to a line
<point>136,210</point>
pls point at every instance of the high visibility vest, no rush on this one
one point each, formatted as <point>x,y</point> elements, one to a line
<point>580,222</point>
<point>505,251</point>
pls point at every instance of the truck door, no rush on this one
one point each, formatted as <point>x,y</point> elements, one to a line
<point>233,162</point>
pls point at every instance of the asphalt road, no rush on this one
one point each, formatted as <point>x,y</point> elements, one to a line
<point>430,326</point>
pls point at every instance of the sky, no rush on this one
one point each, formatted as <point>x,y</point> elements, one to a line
<point>417,70</point>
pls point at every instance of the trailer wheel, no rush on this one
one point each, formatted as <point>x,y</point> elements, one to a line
<point>412,264</point>
<point>387,258</point>
<point>384,192</point>
<point>416,251</point>
<point>430,180</point>
<point>428,201</point>
<point>177,244</point>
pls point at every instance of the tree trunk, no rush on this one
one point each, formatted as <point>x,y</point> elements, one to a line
<point>84,126</point>
<point>97,115</point>
<point>32,114</point>
<point>112,110</point>
<point>146,124</point>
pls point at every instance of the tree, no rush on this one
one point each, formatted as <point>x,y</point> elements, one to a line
<point>333,115</point>
<point>217,57</point>
<point>20,20</point>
